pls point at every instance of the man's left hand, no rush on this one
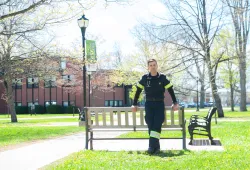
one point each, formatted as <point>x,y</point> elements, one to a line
<point>175,107</point>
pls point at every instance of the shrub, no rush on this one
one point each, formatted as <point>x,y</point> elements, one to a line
<point>22,110</point>
<point>70,109</point>
<point>39,109</point>
<point>54,109</point>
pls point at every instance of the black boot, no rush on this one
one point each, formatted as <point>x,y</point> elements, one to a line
<point>153,145</point>
<point>157,148</point>
<point>151,150</point>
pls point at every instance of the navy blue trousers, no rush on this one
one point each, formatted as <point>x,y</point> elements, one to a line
<point>154,118</point>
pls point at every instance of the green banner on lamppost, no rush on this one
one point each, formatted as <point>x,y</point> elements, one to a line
<point>91,51</point>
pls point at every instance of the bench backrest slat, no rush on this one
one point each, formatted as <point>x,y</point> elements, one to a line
<point>172,117</point>
<point>134,118</point>
<point>126,118</point>
<point>141,117</point>
<point>104,118</point>
<point>96,118</point>
<point>122,117</point>
<point>165,117</point>
<point>180,117</point>
<point>111,118</point>
<point>119,117</point>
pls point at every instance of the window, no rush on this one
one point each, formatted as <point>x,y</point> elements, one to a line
<point>32,81</point>
<point>72,103</point>
<point>17,83</point>
<point>111,103</point>
<point>116,103</point>
<point>18,104</point>
<point>65,103</point>
<point>30,103</point>
<point>50,82</point>
<point>63,64</point>
<point>67,80</point>
<point>106,103</point>
<point>47,103</point>
<point>68,77</point>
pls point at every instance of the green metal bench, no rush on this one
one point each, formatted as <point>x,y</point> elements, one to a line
<point>201,125</point>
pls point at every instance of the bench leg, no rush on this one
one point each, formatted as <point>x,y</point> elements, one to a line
<point>87,141</point>
<point>91,140</point>
<point>184,137</point>
<point>190,130</point>
<point>211,138</point>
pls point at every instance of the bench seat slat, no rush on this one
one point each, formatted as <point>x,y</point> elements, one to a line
<point>131,126</point>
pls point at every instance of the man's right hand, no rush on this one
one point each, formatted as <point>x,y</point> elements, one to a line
<point>134,108</point>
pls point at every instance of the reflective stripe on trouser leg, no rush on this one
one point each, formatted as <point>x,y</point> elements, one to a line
<point>155,134</point>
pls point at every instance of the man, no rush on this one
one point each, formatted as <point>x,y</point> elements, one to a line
<point>154,85</point>
<point>32,109</point>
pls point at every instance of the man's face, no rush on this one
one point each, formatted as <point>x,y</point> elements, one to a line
<point>152,67</point>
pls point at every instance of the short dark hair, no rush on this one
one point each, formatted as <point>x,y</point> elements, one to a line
<point>151,60</point>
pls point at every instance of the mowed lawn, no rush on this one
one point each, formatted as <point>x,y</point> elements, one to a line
<point>32,128</point>
<point>234,136</point>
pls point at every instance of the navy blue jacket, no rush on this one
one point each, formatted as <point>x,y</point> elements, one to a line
<point>154,87</point>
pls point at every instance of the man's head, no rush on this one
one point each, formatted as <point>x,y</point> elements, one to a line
<point>152,66</point>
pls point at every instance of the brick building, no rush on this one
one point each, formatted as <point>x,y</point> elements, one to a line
<point>47,92</point>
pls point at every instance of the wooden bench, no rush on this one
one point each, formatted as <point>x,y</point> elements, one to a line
<point>108,119</point>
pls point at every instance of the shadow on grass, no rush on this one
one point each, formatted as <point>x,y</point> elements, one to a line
<point>12,122</point>
<point>162,154</point>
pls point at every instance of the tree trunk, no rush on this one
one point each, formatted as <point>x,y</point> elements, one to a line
<point>232,97</point>
<point>242,84</point>
<point>214,87</point>
<point>10,102</point>
<point>202,95</point>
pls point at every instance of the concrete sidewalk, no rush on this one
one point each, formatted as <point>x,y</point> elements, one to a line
<point>37,155</point>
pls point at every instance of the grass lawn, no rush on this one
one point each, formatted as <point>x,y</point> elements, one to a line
<point>38,115</point>
<point>10,135</point>
<point>33,128</point>
<point>39,120</point>
<point>234,136</point>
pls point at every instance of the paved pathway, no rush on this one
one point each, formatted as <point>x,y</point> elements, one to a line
<point>34,156</point>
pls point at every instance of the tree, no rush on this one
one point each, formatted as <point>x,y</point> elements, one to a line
<point>229,72</point>
<point>23,37</point>
<point>73,74</point>
<point>240,14</point>
<point>198,74</point>
<point>192,28</point>
<point>24,33</point>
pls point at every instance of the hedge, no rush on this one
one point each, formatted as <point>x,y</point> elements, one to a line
<point>53,109</point>
<point>22,110</point>
<point>70,109</point>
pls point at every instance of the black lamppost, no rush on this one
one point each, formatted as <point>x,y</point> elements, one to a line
<point>83,24</point>
<point>114,95</point>
<point>50,85</point>
<point>197,79</point>
<point>32,90</point>
<point>89,74</point>
<point>68,91</point>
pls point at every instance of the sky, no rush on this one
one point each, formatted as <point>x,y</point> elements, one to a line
<point>112,24</point>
